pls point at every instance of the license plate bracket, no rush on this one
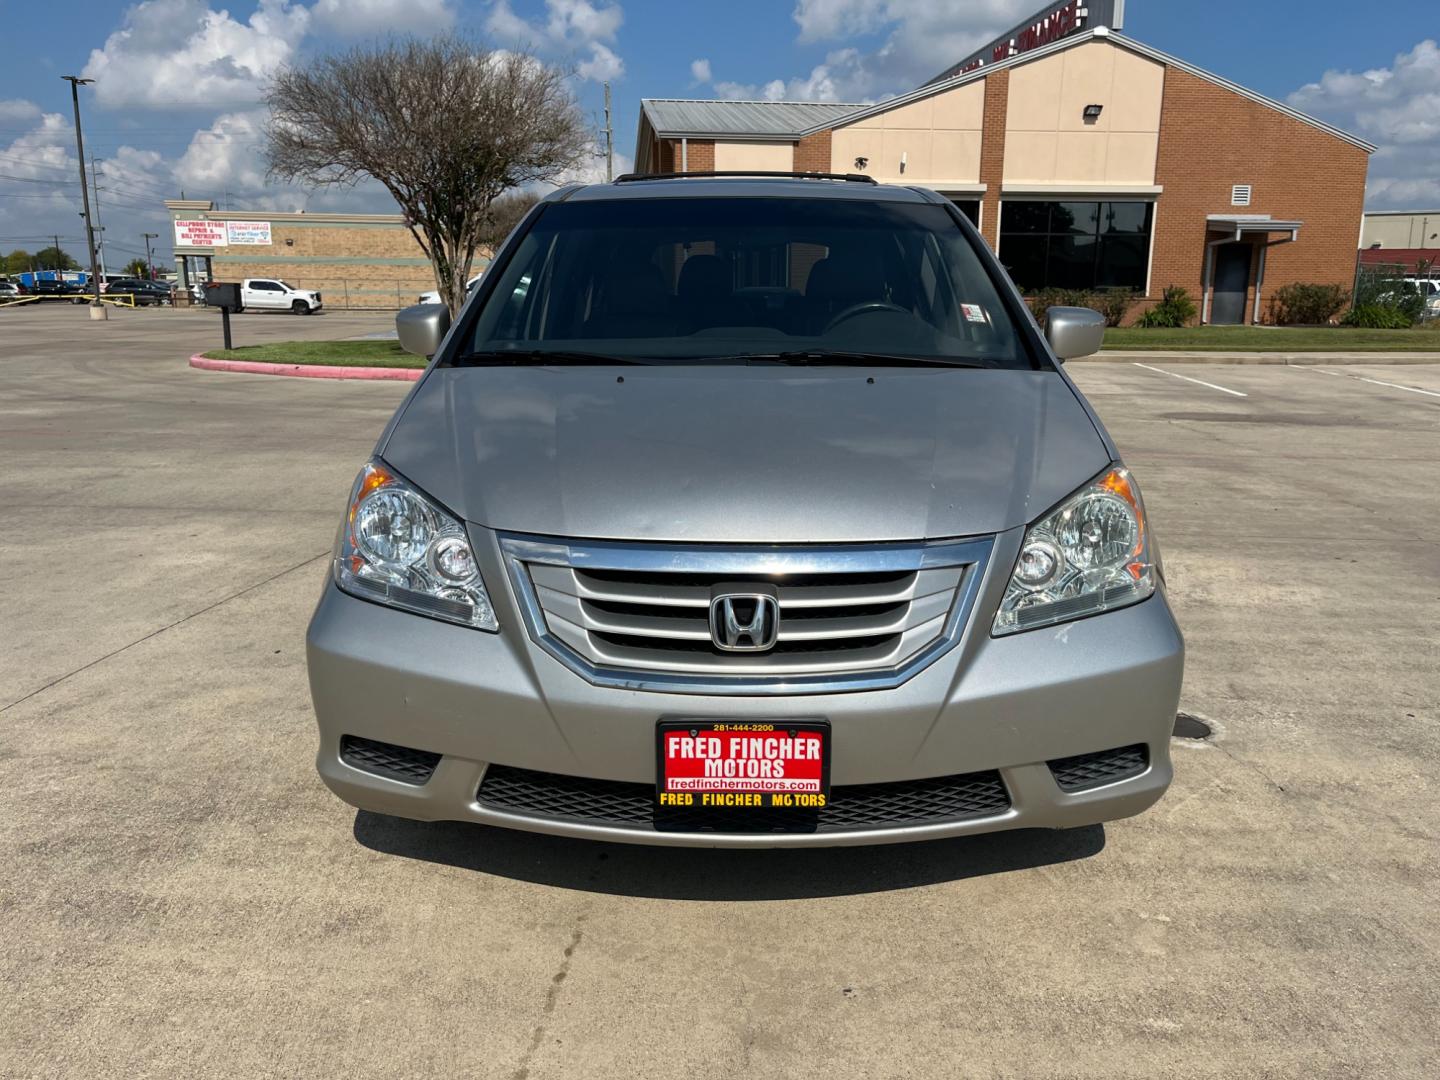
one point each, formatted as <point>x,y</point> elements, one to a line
<point>742,764</point>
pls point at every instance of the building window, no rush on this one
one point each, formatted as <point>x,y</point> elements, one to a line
<point>1076,245</point>
<point>969,207</point>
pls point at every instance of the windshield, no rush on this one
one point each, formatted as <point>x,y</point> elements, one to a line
<point>685,279</point>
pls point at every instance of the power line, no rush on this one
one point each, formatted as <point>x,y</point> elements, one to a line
<point>157,192</point>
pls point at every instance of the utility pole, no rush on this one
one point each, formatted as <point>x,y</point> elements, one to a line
<point>609,140</point>
<point>148,260</point>
<point>99,224</point>
<point>97,309</point>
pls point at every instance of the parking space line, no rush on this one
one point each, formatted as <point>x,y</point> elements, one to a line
<point>1377,382</point>
<point>1187,378</point>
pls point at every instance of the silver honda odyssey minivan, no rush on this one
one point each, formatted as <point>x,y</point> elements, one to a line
<point>746,512</point>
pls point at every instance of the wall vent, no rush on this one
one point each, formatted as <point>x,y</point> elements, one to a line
<point>1240,195</point>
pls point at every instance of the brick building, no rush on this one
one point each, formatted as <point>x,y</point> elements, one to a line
<point>355,260</point>
<point>1086,159</point>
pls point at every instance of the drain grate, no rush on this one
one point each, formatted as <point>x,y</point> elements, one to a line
<point>1189,726</point>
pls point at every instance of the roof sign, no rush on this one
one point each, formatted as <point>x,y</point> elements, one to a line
<point>1047,25</point>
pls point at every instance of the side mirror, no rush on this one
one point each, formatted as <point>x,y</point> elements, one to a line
<point>421,328</point>
<point>1074,331</point>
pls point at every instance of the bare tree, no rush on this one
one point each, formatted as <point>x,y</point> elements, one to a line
<point>444,124</point>
<point>503,215</point>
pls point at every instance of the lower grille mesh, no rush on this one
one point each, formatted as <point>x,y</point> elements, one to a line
<point>627,805</point>
<point>1103,767</point>
<point>388,760</point>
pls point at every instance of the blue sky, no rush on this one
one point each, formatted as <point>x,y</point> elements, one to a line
<point>175,105</point>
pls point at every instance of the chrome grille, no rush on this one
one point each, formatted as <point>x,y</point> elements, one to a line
<point>851,617</point>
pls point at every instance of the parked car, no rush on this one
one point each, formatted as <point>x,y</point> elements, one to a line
<point>746,512</point>
<point>272,294</point>
<point>433,296</point>
<point>52,287</point>
<point>9,290</point>
<point>144,292</point>
<point>1429,290</point>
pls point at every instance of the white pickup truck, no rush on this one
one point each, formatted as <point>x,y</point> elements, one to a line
<point>272,294</point>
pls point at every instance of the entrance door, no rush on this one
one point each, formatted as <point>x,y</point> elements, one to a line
<point>1232,279</point>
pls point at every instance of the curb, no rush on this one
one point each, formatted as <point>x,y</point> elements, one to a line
<point>306,371</point>
<point>1127,356</point>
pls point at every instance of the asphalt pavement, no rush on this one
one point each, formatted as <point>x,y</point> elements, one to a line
<point>180,896</point>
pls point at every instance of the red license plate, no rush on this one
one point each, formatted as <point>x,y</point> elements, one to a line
<point>745,765</point>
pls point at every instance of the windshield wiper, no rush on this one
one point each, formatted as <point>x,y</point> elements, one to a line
<point>538,358</point>
<point>826,357</point>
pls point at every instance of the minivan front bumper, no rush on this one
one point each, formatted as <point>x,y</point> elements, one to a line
<point>1014,707</point>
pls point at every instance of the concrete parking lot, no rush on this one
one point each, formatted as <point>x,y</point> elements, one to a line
<point>181,896</point>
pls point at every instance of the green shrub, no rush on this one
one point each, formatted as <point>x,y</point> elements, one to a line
<point>1045,299</point>
<point>1377,317</point>
<point>1175,309</point>
<point>1306,304</point>
<point>1386,287</point>
<point>1112,303</point>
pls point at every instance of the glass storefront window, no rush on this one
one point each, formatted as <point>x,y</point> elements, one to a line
<point>1076,245</point>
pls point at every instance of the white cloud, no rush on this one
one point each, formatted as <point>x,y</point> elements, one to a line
<point>353,17</point>
<point>44,150</point>
<point>840,78</point>
<point>45,153</point>
<point>1398,109</point>
<point>700,71</point>
<point>575,26</point>
<point>603,65</point>
<point>591,169</point>
<point>227,154</point>
<point>921,39</point>
<point>18,109</point>
<point>825,20</point>
<point>171,52</point>
<point>226,162</point>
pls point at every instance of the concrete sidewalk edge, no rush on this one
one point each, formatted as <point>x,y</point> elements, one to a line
<point>305,371</point>
<point>1176,356</point>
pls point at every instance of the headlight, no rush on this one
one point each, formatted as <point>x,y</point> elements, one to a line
<point>1090,554</point>
<point>399,548</point>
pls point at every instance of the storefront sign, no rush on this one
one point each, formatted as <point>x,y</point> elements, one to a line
<point>199,233</point>
<point>247,232</point>
<point>1050,24</point>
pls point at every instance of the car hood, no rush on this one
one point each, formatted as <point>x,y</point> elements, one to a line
<point>746,454</point>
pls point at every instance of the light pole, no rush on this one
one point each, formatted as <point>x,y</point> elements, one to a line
<point>97,309</point>
<point>99,219</point>
<point>148,260</point>
<point>609,140</point>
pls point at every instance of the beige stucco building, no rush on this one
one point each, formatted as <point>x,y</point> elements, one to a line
<point>1087,159</point>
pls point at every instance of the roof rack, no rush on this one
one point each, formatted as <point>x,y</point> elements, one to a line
<point>854,178</point>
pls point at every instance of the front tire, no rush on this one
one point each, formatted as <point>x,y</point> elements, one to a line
<point>299,307</point>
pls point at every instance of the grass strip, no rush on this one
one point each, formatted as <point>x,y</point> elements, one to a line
<point>327,353</point>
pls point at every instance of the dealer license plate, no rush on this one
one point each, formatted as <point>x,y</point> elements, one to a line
<point>744,765</point>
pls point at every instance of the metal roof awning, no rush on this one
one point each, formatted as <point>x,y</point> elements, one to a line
<point>744,119</point>
<point>1242,225</point>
